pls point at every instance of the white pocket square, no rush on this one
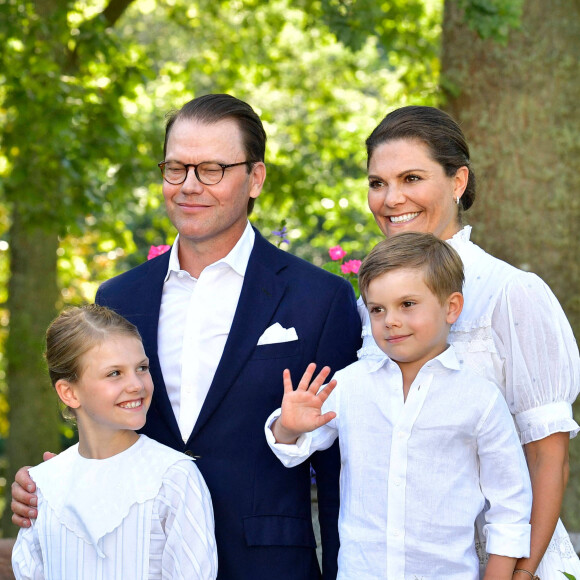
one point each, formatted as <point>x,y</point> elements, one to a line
<point>277,333</point>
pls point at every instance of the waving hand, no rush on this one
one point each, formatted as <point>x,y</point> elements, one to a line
<point>301,408</point>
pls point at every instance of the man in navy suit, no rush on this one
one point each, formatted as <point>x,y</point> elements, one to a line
<point>222,315</point>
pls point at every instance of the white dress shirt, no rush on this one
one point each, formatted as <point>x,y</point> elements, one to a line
<point>143,514</point>
<point>194,323</point>
<point>416,473</point>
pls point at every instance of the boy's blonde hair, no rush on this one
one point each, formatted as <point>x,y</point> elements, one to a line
<point>73,333</point>
<point>441,264</point>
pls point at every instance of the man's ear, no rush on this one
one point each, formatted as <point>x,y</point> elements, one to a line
<point>454,306</point>
<point>258,176</point>
<point>67,393</point>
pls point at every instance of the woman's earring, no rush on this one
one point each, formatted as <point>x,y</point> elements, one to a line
<point>456,200</point>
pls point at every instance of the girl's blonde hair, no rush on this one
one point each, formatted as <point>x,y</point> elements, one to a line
<point>73,333</point>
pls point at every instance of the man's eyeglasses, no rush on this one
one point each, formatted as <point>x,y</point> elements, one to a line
<point>207,172</point>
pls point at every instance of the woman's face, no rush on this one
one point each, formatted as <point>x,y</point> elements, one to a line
<point>408,191</point>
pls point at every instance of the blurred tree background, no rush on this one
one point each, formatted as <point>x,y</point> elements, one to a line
<point>85,86</point>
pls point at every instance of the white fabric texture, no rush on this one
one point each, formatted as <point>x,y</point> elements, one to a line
<point>416,473</point>
<point>514,332</point>
<point>144,513</point>
<point>196,317</point>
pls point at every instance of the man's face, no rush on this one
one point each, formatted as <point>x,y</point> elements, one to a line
<point>210,216</point>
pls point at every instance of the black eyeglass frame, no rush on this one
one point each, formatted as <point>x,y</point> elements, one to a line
<point>224,166</point>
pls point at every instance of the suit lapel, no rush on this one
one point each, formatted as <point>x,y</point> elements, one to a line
<point>148,305</point>
<point>261,293</point>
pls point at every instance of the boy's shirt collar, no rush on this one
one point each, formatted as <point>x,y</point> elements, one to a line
<point>447,359</point>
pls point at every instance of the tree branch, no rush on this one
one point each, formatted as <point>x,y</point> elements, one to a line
<point>114,10</point>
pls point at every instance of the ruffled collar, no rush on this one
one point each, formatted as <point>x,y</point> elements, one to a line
<point>463,235</point>
<point>469,252</point>
<point>92,497</point>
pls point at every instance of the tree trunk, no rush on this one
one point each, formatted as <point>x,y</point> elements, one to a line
<point>518,106</point>
<point>33,292</point>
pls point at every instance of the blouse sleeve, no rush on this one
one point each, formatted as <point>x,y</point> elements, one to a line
<point>26,555</point>
<point>542,366</point>
<point>186,510</point>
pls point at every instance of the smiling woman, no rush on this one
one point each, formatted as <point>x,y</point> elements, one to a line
<point>512,329</point>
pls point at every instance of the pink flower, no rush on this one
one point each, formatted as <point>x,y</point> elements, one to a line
<point>350,267</point>
<point>336,253</point>
<point>155,251</point>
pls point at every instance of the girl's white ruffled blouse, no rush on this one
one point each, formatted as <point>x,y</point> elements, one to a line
<point>144,513</point>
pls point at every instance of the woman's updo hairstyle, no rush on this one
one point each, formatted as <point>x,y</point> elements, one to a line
<point>435,128</point>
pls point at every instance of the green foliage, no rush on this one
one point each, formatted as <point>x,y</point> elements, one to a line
<point>65,75</point>
<point>493,18</point>
<point>82,105</point>
<point>318,98</point>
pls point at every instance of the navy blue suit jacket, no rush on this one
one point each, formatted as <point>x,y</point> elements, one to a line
<point>262,509</point>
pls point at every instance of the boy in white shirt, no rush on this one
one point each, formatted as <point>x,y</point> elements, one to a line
<point>424,442</point>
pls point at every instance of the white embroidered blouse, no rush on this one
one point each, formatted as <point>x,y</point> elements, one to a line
<point>145,513</point>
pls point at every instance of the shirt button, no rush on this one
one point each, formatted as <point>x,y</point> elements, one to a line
<point>396,532</point>
<point>397,482</point>
<point>400,434</point>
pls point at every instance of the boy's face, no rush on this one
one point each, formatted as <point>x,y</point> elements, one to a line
<point>408,322</point>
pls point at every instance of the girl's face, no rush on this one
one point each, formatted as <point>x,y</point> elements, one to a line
<point>114,389</point>
<point>408,191</point>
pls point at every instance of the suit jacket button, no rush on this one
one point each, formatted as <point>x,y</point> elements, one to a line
<point>189,452</point>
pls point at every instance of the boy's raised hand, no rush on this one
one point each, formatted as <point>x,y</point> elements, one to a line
<point>301,408</point>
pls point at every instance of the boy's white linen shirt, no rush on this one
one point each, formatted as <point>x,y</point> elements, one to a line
<point>195,319</point>
<point>416,474</point>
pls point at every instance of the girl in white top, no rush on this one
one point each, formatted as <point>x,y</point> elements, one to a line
<point>512,329</point>
<point>117,504</point>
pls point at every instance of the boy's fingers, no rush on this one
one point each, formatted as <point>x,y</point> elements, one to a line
<point>324,394</point>
<point>287,379</point>
<point>326,418</point>
<point>319,380</point>
<point>306,377</point>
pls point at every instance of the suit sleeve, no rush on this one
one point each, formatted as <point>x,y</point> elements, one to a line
<point>339,342</point>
